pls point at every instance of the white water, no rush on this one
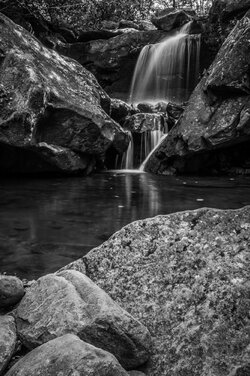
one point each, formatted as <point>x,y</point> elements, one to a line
<point>142,166</point>
<point>167,71</point>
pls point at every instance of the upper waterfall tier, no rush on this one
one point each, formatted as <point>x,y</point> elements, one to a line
<point>168,70</point>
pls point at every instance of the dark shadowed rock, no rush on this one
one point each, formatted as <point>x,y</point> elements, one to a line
<point>213,133</point>
<point>120,110</point>
<point>67,355</point>
<point>69,302</point>
<point>123,24</point>
<point>11,291</point>
<point>113,60</point>
<point>186,276</point>
<point>51,107</point>
<point>8,339</point>
<point>229,8</point>
<point>87,36</point>
<point>170,18</point>
<point>229,74</point>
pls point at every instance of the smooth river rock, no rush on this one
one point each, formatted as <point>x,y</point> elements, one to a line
<point>11,290</point>
<point>8,338</point>
<point>53,112</point>
<point>186,276</point>
<point>213,134</point>
<point>67,355</point>
<point>69,302</point>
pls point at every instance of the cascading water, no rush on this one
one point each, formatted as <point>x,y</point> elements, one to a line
<point>167,71</point>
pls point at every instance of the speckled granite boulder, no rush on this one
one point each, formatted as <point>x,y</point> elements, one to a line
<point>69,302</point>
<point>67,355</point>
<point>187,277</point>
<point>8,339</point>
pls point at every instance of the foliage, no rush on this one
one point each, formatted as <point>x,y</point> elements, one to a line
<point>89,14</point>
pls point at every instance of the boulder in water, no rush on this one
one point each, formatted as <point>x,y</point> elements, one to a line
<point>53,111</point>
<point>213,134</point>
<point>187,278</point>
<point>69,302</point>
<point>170,18</point>
<point>67,355</point>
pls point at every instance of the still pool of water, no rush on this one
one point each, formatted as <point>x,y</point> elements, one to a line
<point>47,223</point>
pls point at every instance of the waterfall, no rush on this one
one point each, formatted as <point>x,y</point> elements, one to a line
<point>127,160</point>
<point>142,166</point>
<point>167,71</point>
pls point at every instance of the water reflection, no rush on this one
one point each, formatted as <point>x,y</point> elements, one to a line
<point>45,224</point>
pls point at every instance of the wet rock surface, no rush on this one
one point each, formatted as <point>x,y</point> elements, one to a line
<point>51,107</point>
<point>8,338</point>
<point>70,302</point>
<point>216,117</point>
<point>144,122</point>
<point>67,355</point>
<point>187,278</point>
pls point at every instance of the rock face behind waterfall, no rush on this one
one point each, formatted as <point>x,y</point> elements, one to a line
<point>112,61</point>
<point>186,276</point>
<point>52,109</point>
<point>213,134</point>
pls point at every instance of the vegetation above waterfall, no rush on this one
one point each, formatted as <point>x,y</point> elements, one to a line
<point>90,13</point>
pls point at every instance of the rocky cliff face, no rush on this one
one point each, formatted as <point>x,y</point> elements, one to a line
<point>53,114</point>
<point>213,134</point>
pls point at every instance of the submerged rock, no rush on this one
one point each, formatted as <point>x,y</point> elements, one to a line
<point>8,338</point>
<point>69,302</point>
<point>51,108</point>
<point>186,276</point>
<point>213,134</point>
<point>11,291</point>
<point>67,355</point>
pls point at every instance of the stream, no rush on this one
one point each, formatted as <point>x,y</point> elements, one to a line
<point>47,223</point>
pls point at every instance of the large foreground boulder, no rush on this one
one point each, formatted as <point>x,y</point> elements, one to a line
<point>213,135</point>
<point>186,276</point>
<point>52,109</point>
<point>70,302</point>
<point>8,338</point>
<point>67,355</point>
